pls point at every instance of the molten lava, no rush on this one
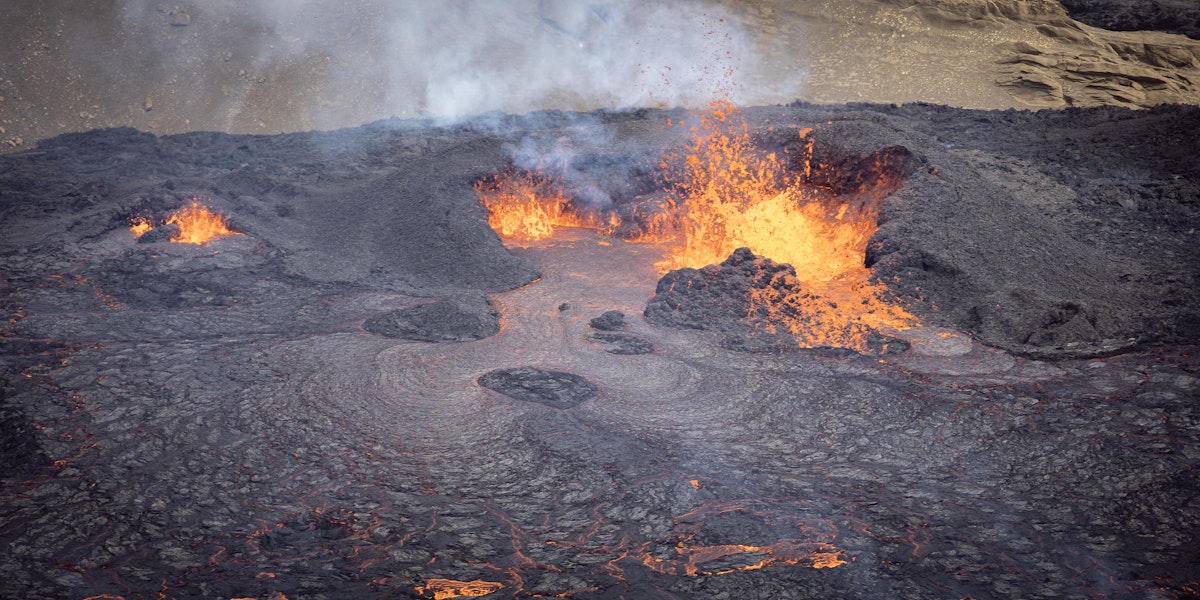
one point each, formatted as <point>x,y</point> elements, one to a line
<point>731,196</point>
<point>690,561</point>
<point>723,194</point>
<point>441,589</point>
<point>140,225</point>
<point>526,208</point>
<point>197,224</point>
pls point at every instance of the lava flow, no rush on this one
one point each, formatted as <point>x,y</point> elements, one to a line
<point>196,222</point>
<point>722,194</point>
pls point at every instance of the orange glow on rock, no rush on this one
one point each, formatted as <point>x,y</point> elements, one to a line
<point>440,589</point>
<point>140,225</point>
<point>199,225</point>
<point>691,561</point>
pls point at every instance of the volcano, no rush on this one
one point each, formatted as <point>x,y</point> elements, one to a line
<point>362,391</point>
<point>761,348</point>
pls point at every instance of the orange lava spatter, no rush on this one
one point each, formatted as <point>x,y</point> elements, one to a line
<point>197,224</point>
<point>731,195</point>
<point>140,225</point>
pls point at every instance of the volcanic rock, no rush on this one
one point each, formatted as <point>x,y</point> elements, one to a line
<point>718,298</point>
<point>620,343</point>
<point>452,319</point>
<point>555,389</point>
<point>1047,327</point>
<point>211,420</point>
<point>738,527</point>
<point>612,320</point>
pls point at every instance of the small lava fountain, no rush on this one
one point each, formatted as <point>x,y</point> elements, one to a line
<point>197,224</point>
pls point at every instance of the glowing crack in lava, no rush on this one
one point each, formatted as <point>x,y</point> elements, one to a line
<point>722,194</point>
<point>691,560</point>
<point>197,224</point>
<point>441,589</point>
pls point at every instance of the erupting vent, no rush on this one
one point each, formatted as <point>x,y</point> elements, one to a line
<point>193,224</point>
<point>724,193</point>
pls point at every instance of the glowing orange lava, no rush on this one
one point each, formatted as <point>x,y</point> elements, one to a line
<point>140,225</point>
<point>691,561</point>
<point>723,194</point>
<point>732,195</point>
<point>526,208</point>
<point>450,588</point>
<point>197,224</point>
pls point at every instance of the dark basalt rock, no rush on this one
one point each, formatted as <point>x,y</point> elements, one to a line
<point>717,298</point>
<point>1038,325</point>
<point>739,527</point>
<point>620,343</point>
<point>454,319</point>
<point>555,389</point>
<point>612,320</point>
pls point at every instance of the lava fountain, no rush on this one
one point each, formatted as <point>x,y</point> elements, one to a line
<point>197,224</point>
<point>723,193</point>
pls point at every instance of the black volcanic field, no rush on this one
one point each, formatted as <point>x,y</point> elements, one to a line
<point>365,391</point>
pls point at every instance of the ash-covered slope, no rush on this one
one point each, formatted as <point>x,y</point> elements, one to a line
<point>386,207</point>
<point>1055,233</point>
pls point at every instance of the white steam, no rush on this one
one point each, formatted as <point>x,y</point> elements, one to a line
<point>299,64</point>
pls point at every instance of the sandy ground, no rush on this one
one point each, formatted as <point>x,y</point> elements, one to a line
<point>163,67</point>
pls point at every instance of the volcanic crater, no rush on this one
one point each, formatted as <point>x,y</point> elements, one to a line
<point>362,389</point>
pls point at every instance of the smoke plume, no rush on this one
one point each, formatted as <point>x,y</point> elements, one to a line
<point>296,64</point>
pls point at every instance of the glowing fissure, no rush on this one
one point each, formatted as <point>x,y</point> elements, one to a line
<point>722,194</point>
<point>691,560</point>
<point>441,589</point>
<point>196,222</point>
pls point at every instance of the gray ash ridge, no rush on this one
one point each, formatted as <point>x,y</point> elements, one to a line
<point>212,421</point>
